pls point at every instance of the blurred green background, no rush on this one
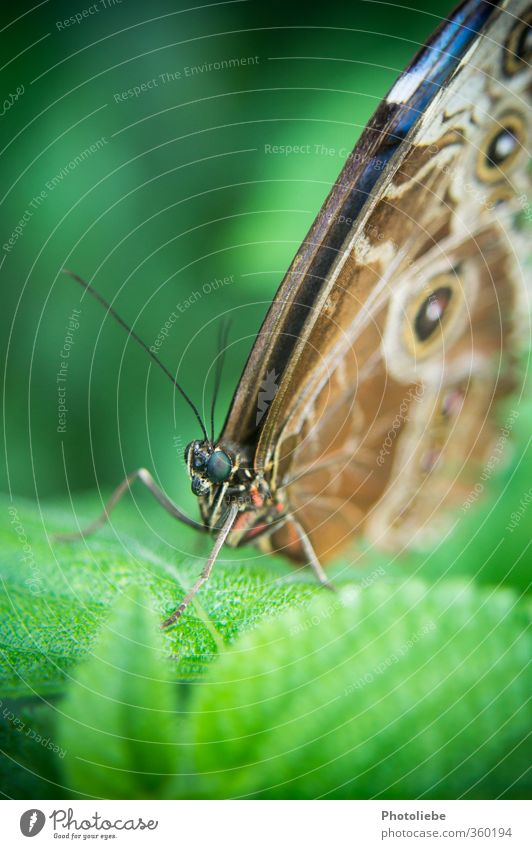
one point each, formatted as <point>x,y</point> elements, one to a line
<point>412,683</point>
<point>181,191</point>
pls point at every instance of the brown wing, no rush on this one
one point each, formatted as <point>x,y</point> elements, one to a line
<point>366,173</point>
<point>376,426</point>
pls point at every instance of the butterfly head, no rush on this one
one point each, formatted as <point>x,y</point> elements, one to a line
<point>209,466</point>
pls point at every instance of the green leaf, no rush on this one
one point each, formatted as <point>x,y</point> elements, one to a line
<point>118,723</point>
<point>56,598</point>
<point>392,691</point>
<point>30,755</point>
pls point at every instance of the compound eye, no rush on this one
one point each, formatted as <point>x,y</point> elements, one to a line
<point>199,486</point>
<point>219,467</point>
<point>199,457</point>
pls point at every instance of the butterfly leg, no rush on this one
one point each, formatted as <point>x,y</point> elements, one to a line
<point>313,561</point>
<point>145,477</point>
<point>207,569</point>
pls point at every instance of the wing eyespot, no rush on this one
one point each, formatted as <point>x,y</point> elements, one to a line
<point>431,314</point>
<point>501,148</point>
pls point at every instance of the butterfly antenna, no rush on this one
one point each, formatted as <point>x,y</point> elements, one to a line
<point>222,345</point>
<point>96,295</point>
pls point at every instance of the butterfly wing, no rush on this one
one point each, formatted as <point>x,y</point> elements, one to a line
<point>396,328</point>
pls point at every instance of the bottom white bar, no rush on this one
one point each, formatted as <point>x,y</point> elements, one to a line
<point>312,824</point>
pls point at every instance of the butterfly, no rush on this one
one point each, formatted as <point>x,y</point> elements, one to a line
<point>369,399</point>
